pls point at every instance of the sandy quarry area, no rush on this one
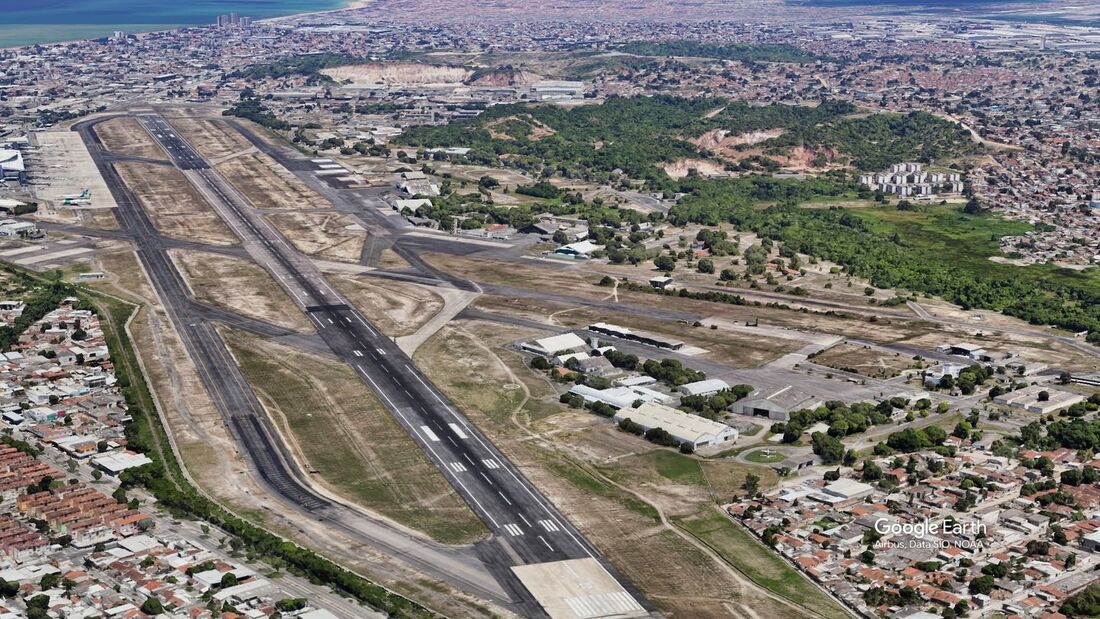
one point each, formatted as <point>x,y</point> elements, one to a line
<point>398,73</point>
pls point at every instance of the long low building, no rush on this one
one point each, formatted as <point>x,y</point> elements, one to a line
<point>1032,400</point>
<point>618,397</point>
<point>684,427</point>
<point>643,337</point>
<point>555,344</point>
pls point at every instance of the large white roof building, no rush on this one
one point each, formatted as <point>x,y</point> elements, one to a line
<point>684,427</point>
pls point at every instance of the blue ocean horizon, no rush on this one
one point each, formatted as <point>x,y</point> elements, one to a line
<point>27,22</point>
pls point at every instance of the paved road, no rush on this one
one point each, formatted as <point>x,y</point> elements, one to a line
<point>526,527</point>
<point>248,422</point>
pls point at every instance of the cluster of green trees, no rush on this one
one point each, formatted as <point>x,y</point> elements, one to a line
<point>888,260</point>
<point>714,405</point>
<point>308,66</point>
<point>42,299</point>
<point>916,439</point>
<point>1084,604</point>
<point>671,372</point>
<point>968,380</point>
<point>842,420</point>
<point>541,189</point>
<point>631,137</point>
<point>762,52</point>
<point>250,107</point>
<point>657,436</point>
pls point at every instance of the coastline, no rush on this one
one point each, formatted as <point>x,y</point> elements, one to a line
<point>14,36</point>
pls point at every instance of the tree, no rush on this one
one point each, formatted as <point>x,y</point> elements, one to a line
<point>540,363</point>
<point>1044,396</point>
<point>871,471</point>
<point>829,448</point>
<point>664,262</point>
<point>752,484</point>
<point>49,581</point>
<point>152,606</point>
<point>706,265</point>
<point>981,585</point>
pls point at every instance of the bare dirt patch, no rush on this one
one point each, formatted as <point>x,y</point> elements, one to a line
<point>865,361</point>
<point>239,286</point>
<point>684,167</point>
<point>396,308</point>
<point>332,236</point>
<point>267,184</point>
<point>175,206</point>
<point>126,136</point>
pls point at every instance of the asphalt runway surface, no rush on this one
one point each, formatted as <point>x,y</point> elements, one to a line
<point>526,528</point>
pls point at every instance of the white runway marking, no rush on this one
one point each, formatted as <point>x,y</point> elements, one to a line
<point>513,530</point>
<point>489,462</point>
<point>458,430</point>
<point>428,433</point>
<point>457,467</point>
<point>549,525</point>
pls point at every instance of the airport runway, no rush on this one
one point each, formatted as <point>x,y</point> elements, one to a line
<point>250,426</point>
<point>526,528</point>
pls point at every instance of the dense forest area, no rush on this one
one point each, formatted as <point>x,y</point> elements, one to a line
<point>631,137</point>
<point>765,52</point>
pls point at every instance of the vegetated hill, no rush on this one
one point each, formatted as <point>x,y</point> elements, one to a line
<point>635,136</point>
<point>306,66</point>
<point>506,75</point>
<point>764,52</point>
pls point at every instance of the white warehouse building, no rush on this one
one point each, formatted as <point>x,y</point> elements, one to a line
<point>709,386</point>
<point>686,428</point>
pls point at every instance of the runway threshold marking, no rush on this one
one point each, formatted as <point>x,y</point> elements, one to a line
<point>428,432</point>
<point>358,353</point>
<point>491,463</point>
<point>458,467</point>
<point>513,530</point>
<point>549,525</point>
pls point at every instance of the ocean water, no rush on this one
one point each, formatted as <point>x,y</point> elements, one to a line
<point>23,22</point>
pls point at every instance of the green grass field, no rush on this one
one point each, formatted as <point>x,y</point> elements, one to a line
<point>758,563</point>
<point>759,456</point>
